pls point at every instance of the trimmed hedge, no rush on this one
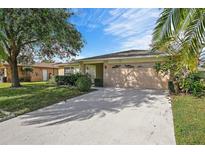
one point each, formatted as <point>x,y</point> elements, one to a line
<point>84,83</point>
<point>68,79</point>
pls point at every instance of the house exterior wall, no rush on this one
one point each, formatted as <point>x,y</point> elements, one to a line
<point>36,75</point>
<point>133,72</point>
<point>142,75</point>
<point>8,75</point>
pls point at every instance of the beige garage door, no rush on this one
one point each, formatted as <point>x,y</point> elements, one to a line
<point>134,75</point>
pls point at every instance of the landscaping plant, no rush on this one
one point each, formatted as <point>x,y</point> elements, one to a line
<point>84,83</point>
<point>180,33</point>
<point>69,79</point>
<point>192,84</point>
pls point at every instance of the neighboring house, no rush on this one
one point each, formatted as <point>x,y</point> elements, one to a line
<point>133,68</point>
<point>38,72</point>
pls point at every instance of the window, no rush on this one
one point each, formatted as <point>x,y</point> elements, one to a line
<point>70,70</point>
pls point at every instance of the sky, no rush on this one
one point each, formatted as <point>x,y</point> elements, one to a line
<point>113,30</point>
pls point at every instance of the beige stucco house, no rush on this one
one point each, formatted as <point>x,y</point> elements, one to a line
<point>40,72</point>
<point>133,68</point>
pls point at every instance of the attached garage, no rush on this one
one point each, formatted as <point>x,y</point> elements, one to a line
<point>140,75</point>
<point>127,69</point>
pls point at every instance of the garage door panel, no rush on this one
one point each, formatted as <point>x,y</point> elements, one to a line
<point>137,77</point>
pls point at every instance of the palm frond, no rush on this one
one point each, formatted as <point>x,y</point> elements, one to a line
<point>195,32</point>
<point>188,17</point>
<point>169,23</point>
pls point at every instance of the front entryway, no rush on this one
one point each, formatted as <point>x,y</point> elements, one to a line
<point>45,75</point>
<point>95,71</point>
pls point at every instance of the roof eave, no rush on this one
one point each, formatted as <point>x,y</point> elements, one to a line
<point>101,60</point>
<point>133,57</point>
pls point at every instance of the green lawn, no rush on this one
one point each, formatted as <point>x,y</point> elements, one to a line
<point>1,115</point>
<point>32,96</point>
<point>189,119</point>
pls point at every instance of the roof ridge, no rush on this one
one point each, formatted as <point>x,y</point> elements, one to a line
<point>113,53</point>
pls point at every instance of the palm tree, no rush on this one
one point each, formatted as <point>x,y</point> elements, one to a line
<point>181,32</point>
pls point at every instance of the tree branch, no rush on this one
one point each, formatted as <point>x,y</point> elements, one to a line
<point>28,42</point>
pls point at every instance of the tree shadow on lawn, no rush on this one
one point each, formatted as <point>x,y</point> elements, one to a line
<point>96,103</point>
<point>24,89</point>
<point>30,98</point>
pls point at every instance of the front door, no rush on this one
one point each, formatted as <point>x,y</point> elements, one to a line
<point>45,75</point>
<point>91,70</point>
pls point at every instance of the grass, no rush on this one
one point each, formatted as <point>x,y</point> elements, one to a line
<point>189,119</point>
<point>1,115</point>
<point>32,96</point>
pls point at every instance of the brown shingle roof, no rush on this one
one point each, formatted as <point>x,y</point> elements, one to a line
<point>129,53</point>
<point>120,55</point>
<point>47,65</point>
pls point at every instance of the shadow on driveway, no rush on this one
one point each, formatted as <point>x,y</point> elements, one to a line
<point>96,103</point>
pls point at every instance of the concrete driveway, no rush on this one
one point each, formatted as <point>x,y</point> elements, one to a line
<point>105,116</point>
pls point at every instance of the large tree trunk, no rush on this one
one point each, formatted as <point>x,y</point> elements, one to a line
<point>14,73</point>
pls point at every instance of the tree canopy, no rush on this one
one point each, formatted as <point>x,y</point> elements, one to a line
<point>45,33</point>
<point>181,32</point>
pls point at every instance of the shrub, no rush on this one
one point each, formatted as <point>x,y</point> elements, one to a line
<point>25,79</point>
<point>98,82</point>
<point>73,78</point>
<point>69,79</point>
<point>60,80</point>
<point>171,87</point>
<point>84,83</point>
<point>192,84</point>
<point>27,69</point>
<point>52,80</point>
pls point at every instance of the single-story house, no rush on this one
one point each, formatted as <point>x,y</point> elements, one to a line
<point>38,72</point>
<point>133,68</point>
